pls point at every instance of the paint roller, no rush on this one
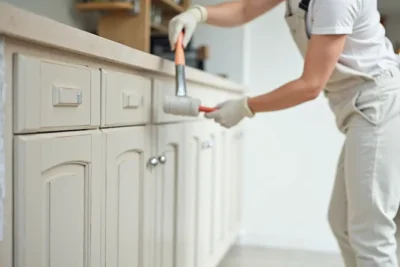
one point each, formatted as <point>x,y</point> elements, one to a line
<point>181,103</point>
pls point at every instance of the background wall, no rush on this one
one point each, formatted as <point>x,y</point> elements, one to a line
<point>226,47</point>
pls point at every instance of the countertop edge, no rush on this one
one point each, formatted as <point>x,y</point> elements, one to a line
<point>21,24</point>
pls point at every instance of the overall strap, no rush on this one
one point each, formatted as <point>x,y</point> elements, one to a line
<point>289,11</point>
<point>304,5</point>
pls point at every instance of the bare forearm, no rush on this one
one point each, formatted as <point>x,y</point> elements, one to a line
<point>286,96</point>
<point>236,13</point>
<point>227,14</point>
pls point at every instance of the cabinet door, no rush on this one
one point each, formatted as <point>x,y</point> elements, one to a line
<point>129,198</point>
<point>234,181</point>
<point>170,170</point>
<point>58,190</point>
<point>220,192</point>
<point>203,169</point>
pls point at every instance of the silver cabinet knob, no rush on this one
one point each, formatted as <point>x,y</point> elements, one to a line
<point>152,162</point>
<point>162,159</point>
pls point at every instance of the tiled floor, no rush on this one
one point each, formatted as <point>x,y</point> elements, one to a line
<point>262,257</point>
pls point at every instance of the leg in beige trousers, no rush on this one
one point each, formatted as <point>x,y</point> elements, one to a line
<point>366,194</point>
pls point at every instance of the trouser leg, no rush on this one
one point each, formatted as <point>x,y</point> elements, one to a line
<point>372,176</point>
<point>397,235</point>
<point>337,215</point>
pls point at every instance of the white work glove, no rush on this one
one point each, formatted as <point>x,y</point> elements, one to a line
<point>187,20</point>
<point>230,112</point>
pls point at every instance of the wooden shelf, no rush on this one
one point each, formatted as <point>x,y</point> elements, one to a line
<point>170,5</point>
<point>129,22</point>
<point>104,6</point>
<point>159,28</point>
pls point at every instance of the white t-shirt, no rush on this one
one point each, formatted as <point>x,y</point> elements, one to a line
<point>367,49</point>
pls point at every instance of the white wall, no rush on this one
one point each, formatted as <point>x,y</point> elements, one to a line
<point>226,53</point>
<point>59,10</point>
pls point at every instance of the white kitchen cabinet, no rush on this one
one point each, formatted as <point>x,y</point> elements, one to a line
<point>129,209</point>
<point>96,174</point>
<point>58,191</point>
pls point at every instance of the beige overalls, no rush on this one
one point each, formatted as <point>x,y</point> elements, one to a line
<point>366,194</point>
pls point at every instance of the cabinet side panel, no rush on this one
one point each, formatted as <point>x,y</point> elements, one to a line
<point>6,148</point>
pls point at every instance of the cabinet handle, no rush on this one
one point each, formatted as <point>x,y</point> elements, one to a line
<point>162,159</point>
<point>207,144</point>
<point>131,100</point>
<point>153,162</point>
<point>66,97</point>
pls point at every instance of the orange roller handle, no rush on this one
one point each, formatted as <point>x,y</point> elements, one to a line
<point>179,53</point>
<point>206,109</point>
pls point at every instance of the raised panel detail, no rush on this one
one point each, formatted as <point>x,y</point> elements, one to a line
<point>58,190</point>
<point>129,198</point>
<point>168,183</point>
<point>66,235</point>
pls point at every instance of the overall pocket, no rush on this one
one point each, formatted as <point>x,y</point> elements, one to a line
<point>377,106</point>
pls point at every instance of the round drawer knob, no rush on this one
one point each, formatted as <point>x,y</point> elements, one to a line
<point>162,159</point>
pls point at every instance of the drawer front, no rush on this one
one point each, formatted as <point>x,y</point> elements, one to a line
<point>126,99</point>
<point>54,96</point>
<point>166,87</point>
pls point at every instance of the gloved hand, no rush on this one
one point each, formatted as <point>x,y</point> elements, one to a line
<point>230,112</point>
<point>187,20</point>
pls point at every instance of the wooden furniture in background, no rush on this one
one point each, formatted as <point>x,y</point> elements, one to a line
<point>129,23</point>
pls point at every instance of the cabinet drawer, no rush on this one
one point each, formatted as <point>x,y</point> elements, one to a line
<point>52,95</point>
<point>126,99</point>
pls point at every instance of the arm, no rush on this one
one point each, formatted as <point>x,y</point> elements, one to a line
<point>322,55</point>
<point>235,13</point>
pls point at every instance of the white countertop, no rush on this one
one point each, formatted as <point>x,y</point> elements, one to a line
<point>21,24</point>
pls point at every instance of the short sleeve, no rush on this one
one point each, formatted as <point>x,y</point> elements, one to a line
<point>334,16</point>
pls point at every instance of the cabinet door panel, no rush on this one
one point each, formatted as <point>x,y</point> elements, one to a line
<point>202,142</point>
<point>234,181</point>
<point>129,203</point>
<point>169,176</point>
<point>58,191</point>
<point>220,191</point>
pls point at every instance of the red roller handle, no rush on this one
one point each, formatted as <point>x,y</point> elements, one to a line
<point>206,109</point>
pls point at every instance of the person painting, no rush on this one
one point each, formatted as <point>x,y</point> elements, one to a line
<point>347,56</point>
